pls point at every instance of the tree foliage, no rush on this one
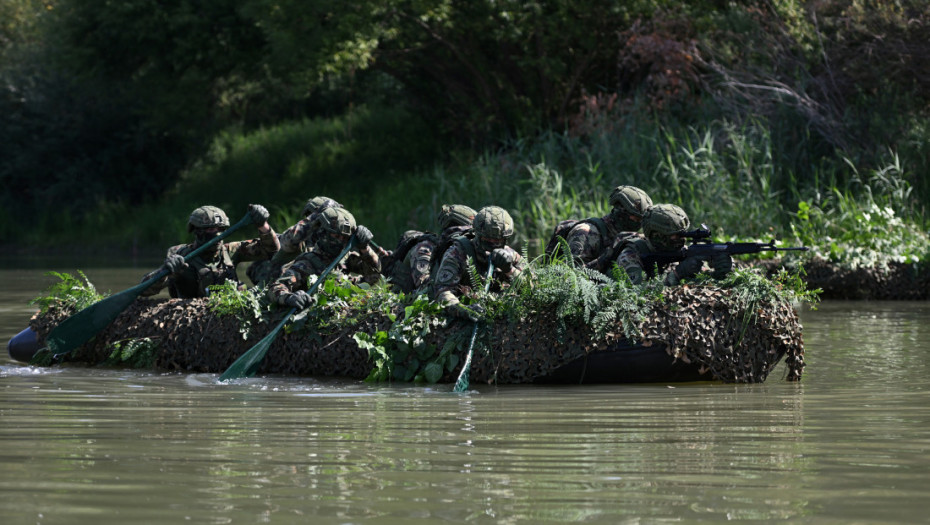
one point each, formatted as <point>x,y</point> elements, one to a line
<point>106,102</point>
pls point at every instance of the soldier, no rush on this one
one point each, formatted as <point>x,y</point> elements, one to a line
<point>662,226</point>
<point>294,241</point>
<point>217,264</point>
<point>408,266</point>
<point>493,227</point>
<point>593,242</point>
<point>335,227</point>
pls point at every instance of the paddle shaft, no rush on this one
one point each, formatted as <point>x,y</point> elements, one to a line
<point>164,271</point>
<point>247,364</point>
<point>461,384</point>
<point>80,327</point>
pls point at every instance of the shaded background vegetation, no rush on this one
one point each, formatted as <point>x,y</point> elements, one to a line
<point>799,119</point>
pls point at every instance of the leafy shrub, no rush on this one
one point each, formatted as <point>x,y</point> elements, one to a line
<point>859,227</point>
<point>245,304</point>
<point>137,353</point>
<point>69,292</point>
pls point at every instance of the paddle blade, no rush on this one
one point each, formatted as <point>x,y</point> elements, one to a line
<point>461,384</point>
<point>82,326</point>
<point>248,363</point>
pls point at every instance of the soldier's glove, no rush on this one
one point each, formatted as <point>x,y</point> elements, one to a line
<point>300,300</point>
<point>363,236</point>
<point>605,260</point>
<point>472,312</point>
<point>502,259</point>
<point>689,267</point>
<point>175,264</point>
<point>722,264</point>
<point>259,214</point>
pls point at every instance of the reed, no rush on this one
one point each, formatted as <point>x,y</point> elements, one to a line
<point>741,179</point>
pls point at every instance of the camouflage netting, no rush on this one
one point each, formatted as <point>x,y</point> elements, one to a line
<point>696,325</point>
<point>896,282</point>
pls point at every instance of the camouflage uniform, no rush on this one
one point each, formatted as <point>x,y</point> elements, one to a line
<point>662,228</point>
<point>589,248</point>
<point>205,270</point>
<point>412,272</point>
<point>630,259</point>
<point>294,241</point>
<point>312,262</point>
<point>453,279</point>
<point>585,240</point>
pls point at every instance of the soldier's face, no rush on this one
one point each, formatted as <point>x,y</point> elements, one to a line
<point>624,220</point>
<point>332,241</point>
<point>675,242</point>
<point>489,243</point>
<point>204,235</point>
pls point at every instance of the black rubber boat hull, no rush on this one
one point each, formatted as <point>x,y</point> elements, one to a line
<point>632,364</point>
<point>24,345</point>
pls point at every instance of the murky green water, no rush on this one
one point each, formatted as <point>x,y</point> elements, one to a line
<point>849,444</point>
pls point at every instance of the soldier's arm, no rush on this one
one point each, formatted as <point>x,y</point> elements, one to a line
<point>364,261</point>
<point>298,234</point>
<point>264,247</point>
<point>604,261</point>
<point>162,283</point>
<point>630,261</point>
<point>419,263</point>
<point>516,267</point>
<point>448,278</point>
<point>584,242</point>
<point>293,278</point>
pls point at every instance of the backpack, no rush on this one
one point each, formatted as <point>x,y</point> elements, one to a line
<point>561,232</point>
<point>408,240</point>
<point>449,236</point>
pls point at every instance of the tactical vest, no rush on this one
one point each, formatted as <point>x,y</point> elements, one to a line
<point>467,245</point>
<point>449,235</point>
<point>200,274</point>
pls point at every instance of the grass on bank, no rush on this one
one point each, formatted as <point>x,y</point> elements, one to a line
<point>740,179</point>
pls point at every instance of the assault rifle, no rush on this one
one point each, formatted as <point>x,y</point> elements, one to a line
<point>705,249</point>
<point>605,261</point>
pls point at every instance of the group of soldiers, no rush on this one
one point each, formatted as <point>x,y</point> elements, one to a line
<point>425,262</point>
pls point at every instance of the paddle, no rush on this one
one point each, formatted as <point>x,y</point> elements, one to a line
<point>461,384</point>
<point>248,363</point>
<point>80,327</point>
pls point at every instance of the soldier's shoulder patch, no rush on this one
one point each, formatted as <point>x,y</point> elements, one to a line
<point>447,276</point>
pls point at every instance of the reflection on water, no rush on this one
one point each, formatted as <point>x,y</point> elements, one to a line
<point>847,444</point>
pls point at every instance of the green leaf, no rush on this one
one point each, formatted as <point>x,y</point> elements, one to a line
<point>432,372</point>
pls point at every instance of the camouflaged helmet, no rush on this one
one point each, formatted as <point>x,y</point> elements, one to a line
<point>317,204</point>
<point>207,217</point>
<point>493,222</point>
<point>336,220</point>
<point>664,220</point>
<point>455,215</point>
<point>630,199</point>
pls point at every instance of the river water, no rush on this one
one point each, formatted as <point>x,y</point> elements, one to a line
<point>848,444</point>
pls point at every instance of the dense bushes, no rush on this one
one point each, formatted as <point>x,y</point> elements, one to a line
<point>109,107</point>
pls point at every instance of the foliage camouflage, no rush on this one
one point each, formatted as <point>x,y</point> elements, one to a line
<point>363,332</point>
